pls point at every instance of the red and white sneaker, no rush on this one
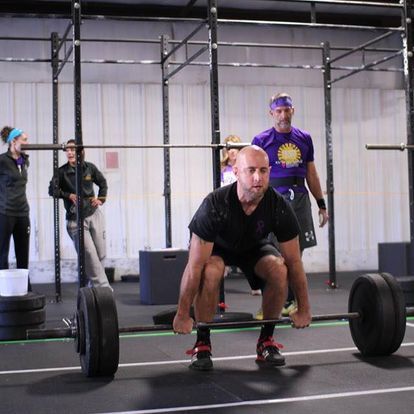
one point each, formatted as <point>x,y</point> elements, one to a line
<point>200,357</point>
<point>268,352</point>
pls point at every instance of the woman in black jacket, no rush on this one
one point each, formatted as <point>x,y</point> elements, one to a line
<point>14,208</point>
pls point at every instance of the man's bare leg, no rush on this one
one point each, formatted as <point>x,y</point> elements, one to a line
<point>273,270</point>
<point>205,306</point>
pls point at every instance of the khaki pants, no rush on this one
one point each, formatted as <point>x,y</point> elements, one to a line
<point>95,246</point>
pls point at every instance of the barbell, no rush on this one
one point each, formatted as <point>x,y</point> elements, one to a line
<point>227,145</point>
<point>64,146</point>
<point>400,147</point>
<point>376,315</point>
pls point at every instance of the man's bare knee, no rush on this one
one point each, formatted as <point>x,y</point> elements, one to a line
<point>272,268</point>
<point>213,271</point>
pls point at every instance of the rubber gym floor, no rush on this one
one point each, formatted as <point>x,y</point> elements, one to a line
<point>324,371</point>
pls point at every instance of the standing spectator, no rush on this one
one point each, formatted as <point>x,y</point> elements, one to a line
<point>14,207</point>
<point>64,186</point>
<point>228,177</point>
<point>291,158</point>
<point>228,161</point>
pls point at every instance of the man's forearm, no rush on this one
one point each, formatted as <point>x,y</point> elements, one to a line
<point>315,188</point>
<point>190,284</point>
<point>299,285</point>
<point>313,181</point>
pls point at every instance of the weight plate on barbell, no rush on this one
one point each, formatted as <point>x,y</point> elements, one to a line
<point>374,330</point>
<point>400,314</point>
<point>79,340</point>
<point>108,331</point>
<point>89,359</point>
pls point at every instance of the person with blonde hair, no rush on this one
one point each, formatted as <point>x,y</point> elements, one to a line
<point>228,177</point>
<point>228,161</point>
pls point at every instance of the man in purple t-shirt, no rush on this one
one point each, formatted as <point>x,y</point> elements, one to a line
<point>291,158</point>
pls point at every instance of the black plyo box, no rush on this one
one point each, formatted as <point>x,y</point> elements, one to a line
<point>407,286</point>
<point>160,275</point>
<point>394,258</point>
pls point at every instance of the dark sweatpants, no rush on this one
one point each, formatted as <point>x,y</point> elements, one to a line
<point>19,228</point>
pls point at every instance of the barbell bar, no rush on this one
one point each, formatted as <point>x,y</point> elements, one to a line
<point>376,315</point>
<point>71,331</point>
<point>400,147</point>
<point>227,145</point>
<point>64,146</point>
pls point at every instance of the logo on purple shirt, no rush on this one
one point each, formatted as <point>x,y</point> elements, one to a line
<point>289,155</point>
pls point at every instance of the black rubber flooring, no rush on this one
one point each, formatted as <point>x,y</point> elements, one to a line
<point>324,372</point>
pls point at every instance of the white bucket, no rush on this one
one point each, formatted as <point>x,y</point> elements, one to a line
<point>13,282</point>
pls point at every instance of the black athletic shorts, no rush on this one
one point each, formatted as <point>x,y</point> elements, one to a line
<point>247,260</point>
<point>302,206</point>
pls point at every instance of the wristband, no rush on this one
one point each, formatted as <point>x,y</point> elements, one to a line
<point>321,203</point>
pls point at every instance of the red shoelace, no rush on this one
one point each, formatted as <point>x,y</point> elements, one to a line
<point>198,347</point>
<point>270,342</point>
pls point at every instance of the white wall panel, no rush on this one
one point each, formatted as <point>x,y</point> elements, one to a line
<point>371,198</point>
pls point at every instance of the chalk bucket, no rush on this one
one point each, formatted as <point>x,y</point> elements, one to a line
<point>13,282</point>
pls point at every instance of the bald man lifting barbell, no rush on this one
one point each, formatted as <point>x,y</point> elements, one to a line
<point>231,228</point>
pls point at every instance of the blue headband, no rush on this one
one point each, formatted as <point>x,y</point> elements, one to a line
<point>282,101</point>
<point>14,133</point>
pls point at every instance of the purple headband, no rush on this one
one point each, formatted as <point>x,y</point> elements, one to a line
<point>282,101</point>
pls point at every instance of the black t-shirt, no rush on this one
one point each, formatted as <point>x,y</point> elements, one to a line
<point>220,219</point>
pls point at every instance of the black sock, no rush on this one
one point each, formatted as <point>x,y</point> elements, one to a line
<point>290,296</point>
<point>203,335</point>
<point>266,331</point>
